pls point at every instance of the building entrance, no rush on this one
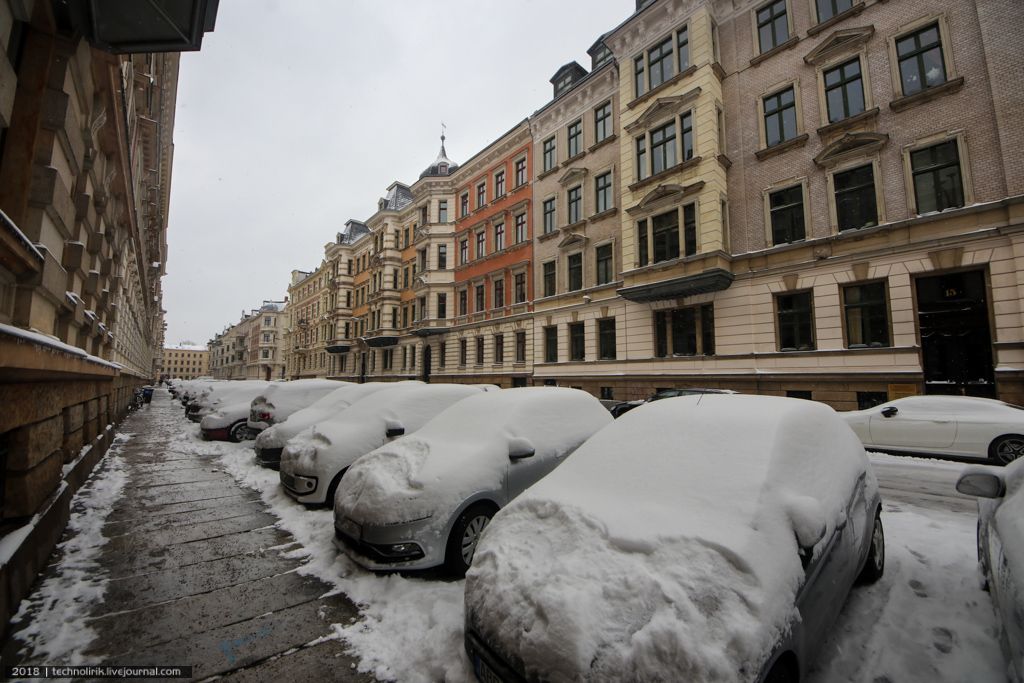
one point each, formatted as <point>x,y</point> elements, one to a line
<point>956,341</point>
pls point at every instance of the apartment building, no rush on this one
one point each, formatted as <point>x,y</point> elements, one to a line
<point>186,361</point>
<point>309,323</point>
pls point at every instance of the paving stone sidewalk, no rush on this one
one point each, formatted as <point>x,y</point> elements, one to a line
<point>193,576</point>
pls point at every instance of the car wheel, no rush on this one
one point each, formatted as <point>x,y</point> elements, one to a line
<point>1006,448</point>
<point>783,671</point>
<point>333,488</point>
<point>463,539</point>
<point>239,432</point>
<point>874,567</point>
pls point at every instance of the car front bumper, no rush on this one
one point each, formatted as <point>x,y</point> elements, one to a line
<point>302,487</point>
<point>218,434</point>
<point>269,457</point>
<point>388,548</point>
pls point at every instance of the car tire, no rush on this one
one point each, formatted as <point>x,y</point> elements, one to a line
<point>874,566</point>
<point>462,541</point>
<point>1006,448</point>
<point>783,671</point>
<point>333,488</point>
<point>239,432</point>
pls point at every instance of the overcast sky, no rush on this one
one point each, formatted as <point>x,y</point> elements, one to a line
<point>296,116</point>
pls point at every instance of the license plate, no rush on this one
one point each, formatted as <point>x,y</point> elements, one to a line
<point>350,528</point>
<point>484,673</point>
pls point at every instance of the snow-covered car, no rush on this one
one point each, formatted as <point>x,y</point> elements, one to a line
<point>281,399</point>
<point>620,409</point>
<point>1000,496</point>
<point>423,500</point>
<point>699,538</point>
<point>227,423</point>
<point>270,442</point>
<point>315,461</point>
<point>961,426</point>
<point>223,394</point>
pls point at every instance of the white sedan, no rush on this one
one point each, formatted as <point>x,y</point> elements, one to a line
<point>944,425</point>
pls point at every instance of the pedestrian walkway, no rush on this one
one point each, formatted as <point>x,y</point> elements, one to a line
<point>192,572</point>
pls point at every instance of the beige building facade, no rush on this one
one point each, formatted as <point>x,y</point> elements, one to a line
<point>186,362</point>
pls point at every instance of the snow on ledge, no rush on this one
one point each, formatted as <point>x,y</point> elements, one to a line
<point>55,344</point>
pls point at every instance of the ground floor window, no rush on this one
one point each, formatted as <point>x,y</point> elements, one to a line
<point>551,344</point>
<point>577,341</point>
<point>866,314</point>
<point>795,321</point>
<point>606,339</point>
<point>686,331</point>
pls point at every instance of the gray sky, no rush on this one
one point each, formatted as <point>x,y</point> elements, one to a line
<point>296,116</point>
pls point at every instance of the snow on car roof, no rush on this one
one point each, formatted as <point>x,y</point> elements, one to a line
<point>667,542</point>
<point>290,396</point>
<point>465,449</point>
<point>957,404</point>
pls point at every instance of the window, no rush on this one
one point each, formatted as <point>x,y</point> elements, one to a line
<point>772,25</point>
<point>641,158</point>
<point>551,344</point>
<point>499,348</point>
<point>638,76</point>
<point>499,293</point>
<point>870,399</point>
<point>937,182</point>
<point>549,215</point>
<point>442,306</point>
<point>844,91</point>
<point>786,208</point>
<point>442,211</point>
<point>867,316</point>
<point>464,204</point>
<point>575,138</point>
<point>663,148</point>
<point>520,287</point>
<point>463,351</point>
<point>442,256</point>
<point>441,348</point>
<point>464,250</point>
<point>780,117</point>
<point>520,228</point>
<point>548,157</point>
<point>686,127</point>
<point>575,272</point>
<point>804,394</point>
<point>920,59</point>
<point>479,299</point>
<point>575,204</point>
<point>606,339</point>
<point>603,258</point>
<point>549,278</point>
<point>602,122</point>
<point>641,242</point>
<point>479,350</point>
<point>267,322</point>
<point>603,192</point>
<point>520,172</point>
<point>796,322</point>
<point>684,331</point>
<point>481,194</point>
<point>520,347</point>
<point>499,237</point>
<point>659,63</point>
<point>463,301</point>
<point>683,48</point>
<point>830,8</point>
<point>499,184</point>
<point>577,341</point>
<point>386,358</point>
<point>481,244</point>
<point>665,236</point>
<point>855,198</point>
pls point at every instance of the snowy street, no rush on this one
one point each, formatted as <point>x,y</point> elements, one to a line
<point>185,552</point>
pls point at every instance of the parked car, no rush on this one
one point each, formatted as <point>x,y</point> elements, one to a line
<point>620,409</point>
<point>423,500</point>
<point>281,399</point>
<point>228,423</point>
<point>314,461</point>
<point>1001,551</point>
<point>223,394</point>
<point>270,443</point>
<point>713,537</point>
<point>943,425</point>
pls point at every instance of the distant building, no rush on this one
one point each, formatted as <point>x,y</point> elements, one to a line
<point>186,362</point>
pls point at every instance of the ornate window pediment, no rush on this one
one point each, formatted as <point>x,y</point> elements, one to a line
<point>851,144</point>
<point>662,107</point>
<point>665,194</point>
<point>839,42</point>
<point>572,239</point>
<point>573,175</point>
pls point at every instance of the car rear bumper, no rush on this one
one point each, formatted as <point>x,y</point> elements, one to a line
<point>219,434</point>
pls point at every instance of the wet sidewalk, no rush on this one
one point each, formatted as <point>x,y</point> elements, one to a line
<point>168,561</point>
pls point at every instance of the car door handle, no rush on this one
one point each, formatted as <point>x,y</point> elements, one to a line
<point>942,422</point>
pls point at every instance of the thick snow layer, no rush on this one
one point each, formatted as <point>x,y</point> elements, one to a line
<point>1009,519</point>
<point>227,393</point>
<point>55,344</point>
<point>464,450</point>
<point>225,416</point>
<point>667,542</point>
<point>323,409</point>
<point>51,621</point>
<point>284,398</point>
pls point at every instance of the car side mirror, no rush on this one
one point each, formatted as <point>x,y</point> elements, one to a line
<point>981,484</point>
<point>519,448</point>
<point>394,428</point>
<point>890,411</point>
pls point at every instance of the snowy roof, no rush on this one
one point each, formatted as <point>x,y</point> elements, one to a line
<point>441,162</point>
<point>398,197</point>
<point>353,231</point>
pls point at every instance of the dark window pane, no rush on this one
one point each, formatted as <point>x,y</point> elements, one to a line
<point>795,322</point>
<point>867,316</point>
<point>855,198</point>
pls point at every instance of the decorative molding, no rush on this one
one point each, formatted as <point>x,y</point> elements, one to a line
<point>775,50</point>
<point>950,86</point>
<point>572,175</point>
<point>662,106</point>
<point>660,194</point>
<point>792,143</point>
<point>849,145</point>
<point>840,42</point>
<point>850,122</point>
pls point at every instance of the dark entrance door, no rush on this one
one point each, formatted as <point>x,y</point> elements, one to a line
<point>362,368</point>
<point>956,343</point>
<point>426,362</point>
<point>267,369</point>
